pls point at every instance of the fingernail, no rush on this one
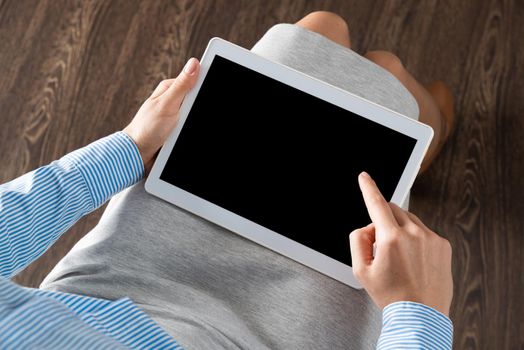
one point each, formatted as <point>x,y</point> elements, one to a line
<point>191,66</point>
<point>365,175</point>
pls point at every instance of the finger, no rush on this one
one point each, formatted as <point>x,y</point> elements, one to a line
<point>361,245</point>
<point>400,215</point>
<point>161,88</point>
<point>378,208</point>
<point>417,221</point>
<point>187,78</point>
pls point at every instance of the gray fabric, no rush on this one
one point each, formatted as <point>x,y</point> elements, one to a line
<point>313,54</point>
<point>210,288</point>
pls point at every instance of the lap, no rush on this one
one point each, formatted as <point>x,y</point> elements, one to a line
<point>313,54</point>
<point>211,288</point>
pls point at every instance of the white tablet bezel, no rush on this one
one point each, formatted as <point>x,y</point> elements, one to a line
<point>249,229</point>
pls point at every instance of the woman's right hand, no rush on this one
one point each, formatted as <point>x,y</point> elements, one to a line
<point>411,262</point>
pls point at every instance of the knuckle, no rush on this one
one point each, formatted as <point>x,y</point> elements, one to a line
<point>182,82</point>
<point>396,232</point>
<point>160,107</point>
<point>358,271</point>
<point>164,83</point>
<point>393,206</point>
<point>357,232</point>
<point>413,216</point>
<point>393,238</point>
<point>448,248</point>
<point>418,233</point>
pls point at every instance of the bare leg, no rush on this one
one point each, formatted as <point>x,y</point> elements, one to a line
<point>329,24</point>
<point>435,101</point>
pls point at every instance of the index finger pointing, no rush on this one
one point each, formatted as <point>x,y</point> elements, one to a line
<point>378,207</point>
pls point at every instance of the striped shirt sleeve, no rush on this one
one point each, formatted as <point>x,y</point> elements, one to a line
<point>409,325</point>
<point>36,208</point>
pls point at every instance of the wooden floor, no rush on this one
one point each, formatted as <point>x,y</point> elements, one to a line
<point>74,71</point>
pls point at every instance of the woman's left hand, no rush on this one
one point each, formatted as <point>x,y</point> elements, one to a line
<point>158,115</point>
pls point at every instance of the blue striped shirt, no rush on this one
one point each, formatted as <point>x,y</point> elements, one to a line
<point>36,208</point>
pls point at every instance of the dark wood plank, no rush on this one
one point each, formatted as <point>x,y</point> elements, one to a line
<point>470,206</point>
<point>510,151</point>
<point>74,71</point>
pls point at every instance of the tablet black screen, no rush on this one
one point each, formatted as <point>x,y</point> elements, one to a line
<point>283,158</point>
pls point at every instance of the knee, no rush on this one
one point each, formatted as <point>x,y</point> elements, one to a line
<point>328,24</point>
<point>329,20</point>
<point>388,61</point>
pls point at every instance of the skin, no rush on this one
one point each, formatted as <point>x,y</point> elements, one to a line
<point>411,262</point>
<point>432,100</point>
<point>158,115</point>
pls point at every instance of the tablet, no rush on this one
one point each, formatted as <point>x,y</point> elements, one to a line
<point>273,155</point>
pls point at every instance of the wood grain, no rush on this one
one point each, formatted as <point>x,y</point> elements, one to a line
<point>74,71</point>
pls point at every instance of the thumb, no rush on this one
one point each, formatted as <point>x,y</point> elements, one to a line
<point>187,78</point>
<point>361,244</point>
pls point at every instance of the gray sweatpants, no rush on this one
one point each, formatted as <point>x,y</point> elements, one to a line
<point>210,288</point>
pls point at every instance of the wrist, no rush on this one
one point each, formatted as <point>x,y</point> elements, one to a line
<point>415,299</point>
<point>147,154</point>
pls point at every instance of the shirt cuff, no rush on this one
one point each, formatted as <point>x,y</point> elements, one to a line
<point>107,166</point>
<point>407,324</point>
